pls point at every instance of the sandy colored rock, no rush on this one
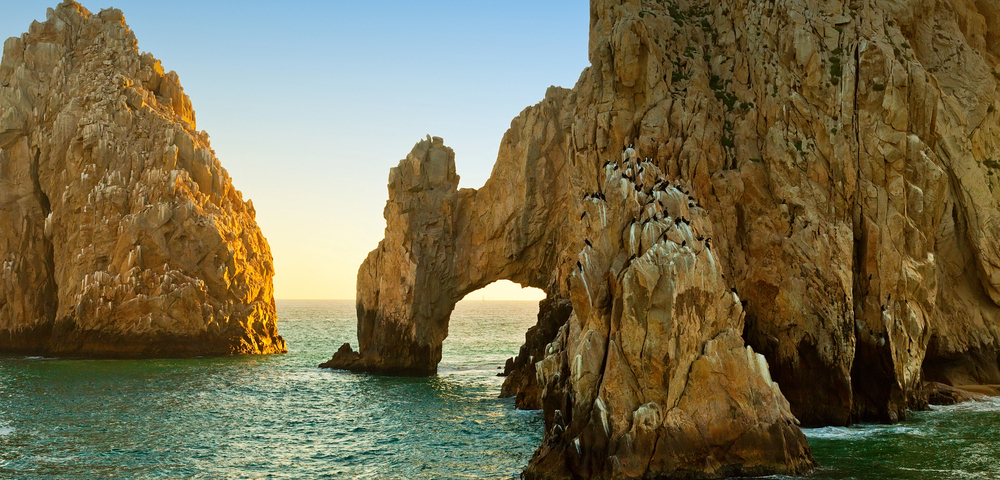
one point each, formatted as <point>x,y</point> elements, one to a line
<point>122,235</point>
<point>843,157</point>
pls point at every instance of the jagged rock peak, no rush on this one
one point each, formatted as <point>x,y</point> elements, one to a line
<point>126,236</point>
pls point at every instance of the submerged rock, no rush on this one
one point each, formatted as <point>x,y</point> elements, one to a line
<point>122,235</point>
<point>843,160</point>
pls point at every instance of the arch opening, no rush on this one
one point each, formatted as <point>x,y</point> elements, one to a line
<point>487,327</point>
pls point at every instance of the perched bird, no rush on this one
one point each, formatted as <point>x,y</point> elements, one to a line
<point>587,241</point>
<point>684,243</point>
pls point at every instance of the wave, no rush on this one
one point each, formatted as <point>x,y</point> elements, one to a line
<point>48,459</point>
<point>858,432</point>
<point>988,404</point>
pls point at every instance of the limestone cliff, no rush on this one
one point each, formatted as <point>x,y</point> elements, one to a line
<point>843,157</point>
<point>121,235</point>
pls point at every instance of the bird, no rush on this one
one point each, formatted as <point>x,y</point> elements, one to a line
<point>677,221</point>
<point>587,241</point>
<point>701,237</point>
<point>684,243</point>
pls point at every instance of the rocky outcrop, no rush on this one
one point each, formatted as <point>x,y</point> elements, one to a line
<point>122,234</point>
<point>842,157</point>
<point>520,371</point>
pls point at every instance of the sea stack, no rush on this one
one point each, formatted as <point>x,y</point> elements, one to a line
<point>845,158</point>
<point>121,235</point>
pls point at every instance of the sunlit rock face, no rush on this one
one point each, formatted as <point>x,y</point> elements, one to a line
<point>121,235</point>
<point>844,159</point>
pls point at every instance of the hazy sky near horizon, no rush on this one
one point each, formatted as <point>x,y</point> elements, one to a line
<point>309,103</point>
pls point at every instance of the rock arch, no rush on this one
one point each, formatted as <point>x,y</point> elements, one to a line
<point>442,243</point>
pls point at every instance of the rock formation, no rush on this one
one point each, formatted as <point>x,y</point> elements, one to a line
<point>843,157</point>
<point>122,235</point>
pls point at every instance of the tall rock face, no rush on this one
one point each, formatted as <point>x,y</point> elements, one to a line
<point>121,235</point>
<point>844,160</point>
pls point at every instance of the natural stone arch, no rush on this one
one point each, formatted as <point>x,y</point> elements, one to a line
<point>442,243</point>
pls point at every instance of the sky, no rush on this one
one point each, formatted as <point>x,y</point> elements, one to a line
<point>309,103</point>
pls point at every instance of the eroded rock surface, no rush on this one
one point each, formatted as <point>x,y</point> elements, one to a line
<point>842,156</point>
<point>121,235</point>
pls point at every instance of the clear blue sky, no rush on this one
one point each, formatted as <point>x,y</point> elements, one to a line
<point>309,104</point>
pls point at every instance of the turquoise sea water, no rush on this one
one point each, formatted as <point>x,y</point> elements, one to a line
<point>281,417</point>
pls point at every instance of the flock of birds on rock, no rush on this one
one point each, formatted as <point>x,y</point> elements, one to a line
<point>655,197</point>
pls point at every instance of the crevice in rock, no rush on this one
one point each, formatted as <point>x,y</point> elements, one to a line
<point>50,294</point>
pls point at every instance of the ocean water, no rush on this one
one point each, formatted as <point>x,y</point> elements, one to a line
<point>280,416</point>
<point>276,416</point>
